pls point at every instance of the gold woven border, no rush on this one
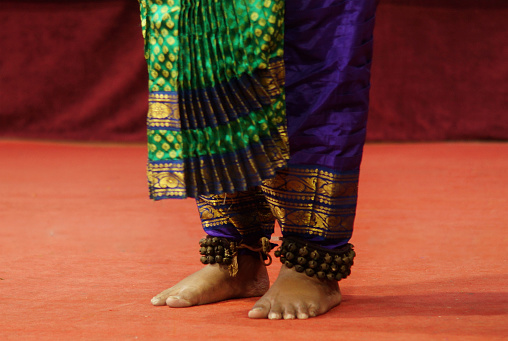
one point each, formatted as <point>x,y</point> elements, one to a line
<point>313,201</point>
<point>166,180</point>
<point>273,78</point>
<point>163,110</point>
<point>246,211</point>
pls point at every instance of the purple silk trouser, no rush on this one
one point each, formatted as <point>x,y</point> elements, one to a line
<point>328,52</point>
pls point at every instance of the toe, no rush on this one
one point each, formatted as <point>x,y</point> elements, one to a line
<point>158,301</point>
<point>302,316</point>
<point>275,311</point>
<point>313,311</point>
<point>274,315</point>
<point>177,302</point>
<point>289,313</point>
<point>288,316</point>
<point>260,310</point>
<point>302,312</point>
<point>161,298</point>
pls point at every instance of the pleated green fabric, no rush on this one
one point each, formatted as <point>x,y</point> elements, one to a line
<point>216,119</point>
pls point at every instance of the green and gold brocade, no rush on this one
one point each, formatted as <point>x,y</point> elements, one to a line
<point>216,119</point>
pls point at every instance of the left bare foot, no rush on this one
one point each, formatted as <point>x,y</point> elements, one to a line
<point>296,295</point>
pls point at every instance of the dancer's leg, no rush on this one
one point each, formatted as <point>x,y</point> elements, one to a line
<point>317,206</point>
<point>328,54</point>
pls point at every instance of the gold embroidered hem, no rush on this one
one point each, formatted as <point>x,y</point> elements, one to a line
<point>243,214</point>
<point>308,202</point>
<point>313,201</point>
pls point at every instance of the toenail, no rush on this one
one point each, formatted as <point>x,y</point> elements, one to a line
<point>155,300</point>
<point>256,309</point>
<point>175,297</point>
<point>273,316</point>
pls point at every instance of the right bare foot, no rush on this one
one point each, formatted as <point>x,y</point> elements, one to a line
<point>213,284</point>
<point>296,295</point>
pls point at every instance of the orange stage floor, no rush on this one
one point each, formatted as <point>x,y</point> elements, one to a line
<point>82,249</point>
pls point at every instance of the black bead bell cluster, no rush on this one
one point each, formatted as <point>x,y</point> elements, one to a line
<point>316,261</point>
<point>217,250</point>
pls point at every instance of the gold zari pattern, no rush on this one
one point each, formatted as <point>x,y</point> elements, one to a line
<point>247,212</point>
<point>274,77</point>
<point>163,111</point>
<point>313,201</point>
<point>166,179</point>
<point>307,201</point>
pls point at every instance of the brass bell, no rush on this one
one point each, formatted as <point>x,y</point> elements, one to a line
<point>309,272</point>
<point>303,251</point>
<point>338,260</point>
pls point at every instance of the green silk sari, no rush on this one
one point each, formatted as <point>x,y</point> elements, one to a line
<point>216,118</point>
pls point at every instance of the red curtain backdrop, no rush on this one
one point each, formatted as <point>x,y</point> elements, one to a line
<point>440,70</point>
<point>74,70</point>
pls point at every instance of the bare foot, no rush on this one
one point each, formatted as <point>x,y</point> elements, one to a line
<point>213,284</point>
<point>295,295</point>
